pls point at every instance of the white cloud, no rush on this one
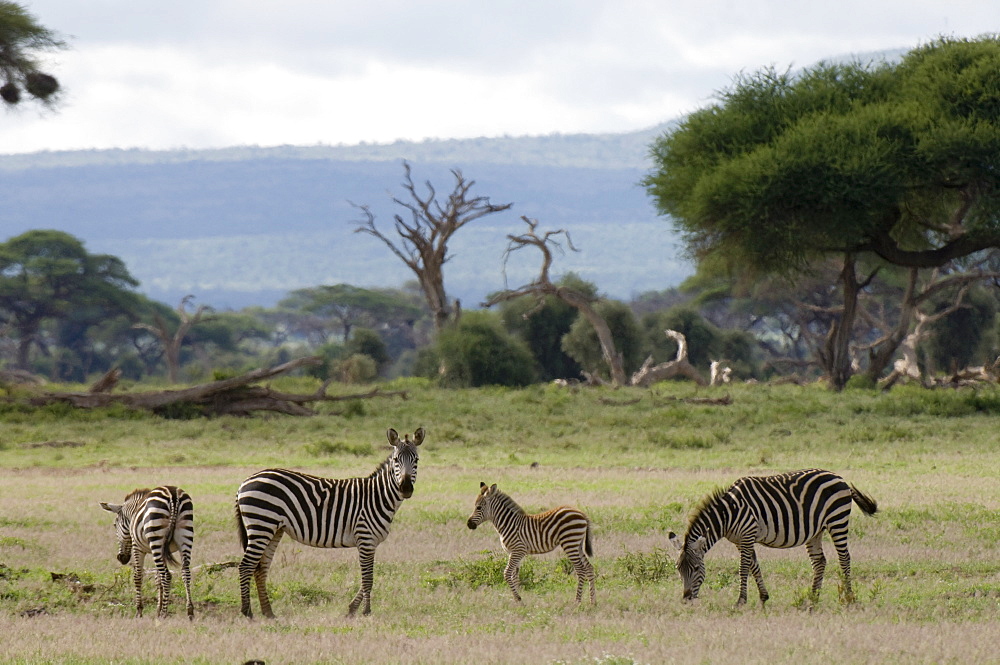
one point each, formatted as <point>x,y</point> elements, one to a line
<point>221,72</point>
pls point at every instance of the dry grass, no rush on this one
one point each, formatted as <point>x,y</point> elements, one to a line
<point>927,567</point>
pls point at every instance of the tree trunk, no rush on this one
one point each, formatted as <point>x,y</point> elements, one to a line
<point>837,356</point>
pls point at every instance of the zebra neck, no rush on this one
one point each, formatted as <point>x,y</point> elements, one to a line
<point>383,477</point>
<point>713,521</point>
<point>507,515</point>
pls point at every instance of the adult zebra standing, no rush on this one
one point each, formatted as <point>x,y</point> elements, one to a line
<point>785,510</point>
<point>522,534</point>
<point>322,512</point>
<point>159,522</point>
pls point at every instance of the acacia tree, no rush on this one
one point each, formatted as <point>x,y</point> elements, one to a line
<point>46,275</point>
<point>423,237</point>
<point>21,36</point>
<point>900,162</point>
<point>171,335</point>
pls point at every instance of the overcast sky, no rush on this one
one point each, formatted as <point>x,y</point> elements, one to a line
<point>216,73</point>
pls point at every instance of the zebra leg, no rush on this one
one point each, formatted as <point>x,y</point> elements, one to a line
<point>366,556</point>
<point>512,573</point>
<point>163,580</point>
<point>138,558</point>
<point>759,578</point>
<point>747,558</point>
<point>249,566</point>
<point>260,575</point>
<point>186,576</point>
<point>815,549</point>
<point>839,537</point>
<point>584,572</point>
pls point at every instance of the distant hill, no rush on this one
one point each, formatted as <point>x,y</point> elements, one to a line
<point>245,225</point>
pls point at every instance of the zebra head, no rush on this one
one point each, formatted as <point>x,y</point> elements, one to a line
<point>121,531</point>
<point>483,511</point>
<point>691,562</point>
<point>404,459</point>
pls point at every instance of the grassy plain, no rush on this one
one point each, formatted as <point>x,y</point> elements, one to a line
<point>926,567</point>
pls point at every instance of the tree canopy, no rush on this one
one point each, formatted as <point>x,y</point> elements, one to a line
<point>894,160</point>
<point>49,275</point>
<point>21,37</point>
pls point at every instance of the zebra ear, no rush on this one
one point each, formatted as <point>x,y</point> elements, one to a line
<point>493,487</point>
<point>482,485</point>
<point>675,541</point>
<point>111,507</point>
<point>393,437</point>
<point>418,436</point>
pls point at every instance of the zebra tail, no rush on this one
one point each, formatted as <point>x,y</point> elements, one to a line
<point>169,548</point>
<point>241,528</point>
<point>865,502</point>
<point>588,544</point>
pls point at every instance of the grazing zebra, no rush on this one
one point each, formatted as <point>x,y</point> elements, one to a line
<point>522,534</point>
<point>322,512</point>
<point>785,510</point>
<point>159,522</point>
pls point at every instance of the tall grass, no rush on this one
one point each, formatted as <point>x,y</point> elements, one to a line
<point>926,567</point>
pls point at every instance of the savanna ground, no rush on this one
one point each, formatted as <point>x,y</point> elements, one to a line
<point>926,567</point>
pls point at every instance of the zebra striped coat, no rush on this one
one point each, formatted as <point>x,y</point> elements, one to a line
<point>786,510</point>
<point>522,534</point>
<point>322,512</point>
<point>159,522</point>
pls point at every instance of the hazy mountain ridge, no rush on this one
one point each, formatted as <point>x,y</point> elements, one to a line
<point>244,225</point>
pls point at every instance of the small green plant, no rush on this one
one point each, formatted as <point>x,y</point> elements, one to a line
<point>647,567</point>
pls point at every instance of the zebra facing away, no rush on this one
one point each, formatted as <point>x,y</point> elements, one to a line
<point>322,512</point>
<point>522,534</point>
<point>785,510</point>
<point>159,522</point>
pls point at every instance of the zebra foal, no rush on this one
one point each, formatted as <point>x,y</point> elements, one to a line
<point>159,522</point>
<point>322,512</point>
<point>522,534</point>
<point>785,510</point>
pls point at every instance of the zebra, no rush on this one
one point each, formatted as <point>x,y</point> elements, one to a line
<point>784,510</point>
<point>160,522</point>
<point>322,512</point>
<point>522,534</point>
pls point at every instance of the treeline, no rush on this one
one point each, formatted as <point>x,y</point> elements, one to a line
<point>71,316</point>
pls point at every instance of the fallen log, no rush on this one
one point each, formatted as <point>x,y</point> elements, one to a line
<point>234,396</point>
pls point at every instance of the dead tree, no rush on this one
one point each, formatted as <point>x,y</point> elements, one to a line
<point>649,374</point>
<point>172,340</point>
<point>235,396</point>
<point>543,286</point>
<point>424,237</point>
<point>906,335</point>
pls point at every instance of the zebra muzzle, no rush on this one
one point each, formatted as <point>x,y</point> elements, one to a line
<point>406,488</point>
<point>472,525</point>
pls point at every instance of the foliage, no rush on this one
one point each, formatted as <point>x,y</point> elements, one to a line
<point>366,341</point>
<point>21,35</point>
<point>479,352</point>
<point>581,342</point>
<point>49,276</point>
<point>356,368</point>
<point>543,325</point>
<point>967,336</point>
<point>898,161</point>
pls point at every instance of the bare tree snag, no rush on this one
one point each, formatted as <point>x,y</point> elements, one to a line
<point>649,374</point>
<point>236,395</point>
<point>171,341</point>
<point>543,286</point>
<point>424,237</point>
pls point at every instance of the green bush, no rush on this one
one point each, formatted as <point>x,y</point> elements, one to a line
<point>479,352</point>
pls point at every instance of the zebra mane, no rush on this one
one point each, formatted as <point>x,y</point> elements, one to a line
<point>709,502</point>
<point>138,493</point>
<point>381,467</point>
<point>505,501</point>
